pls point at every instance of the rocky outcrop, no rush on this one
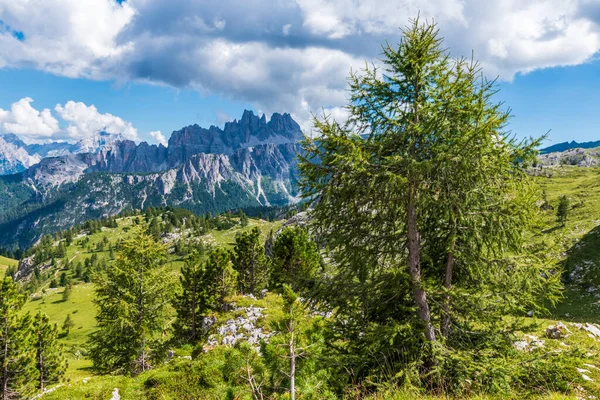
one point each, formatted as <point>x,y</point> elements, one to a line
<point>249,131</point>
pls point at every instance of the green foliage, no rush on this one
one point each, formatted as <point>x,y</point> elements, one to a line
<point>250,262</point>
<point>562,211</point>
<point>50,363</point>
<point>132,297</point>
<point>17,354</point>
<point>220,278</point>
<point>424,203</point>
<point>67,292</point>
<point>193,301</point>
<point>67,325</point>
<point>295,260</point>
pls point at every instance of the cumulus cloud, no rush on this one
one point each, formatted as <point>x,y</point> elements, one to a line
<point>24,120</point>
<point>159,137</point>
<point>288,55</point>
<point>86,120</point>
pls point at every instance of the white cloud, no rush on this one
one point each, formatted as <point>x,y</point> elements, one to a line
<point>237,50</point>
<point>74,38</point>
<point>86,120</point>
<point>27,122</point>
<point>159,137</point>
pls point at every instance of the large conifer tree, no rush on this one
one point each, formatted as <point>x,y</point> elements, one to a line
<point>132,296</point>
<point>423,199</point>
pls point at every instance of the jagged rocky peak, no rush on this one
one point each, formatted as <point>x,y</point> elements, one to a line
<point>250,130</point>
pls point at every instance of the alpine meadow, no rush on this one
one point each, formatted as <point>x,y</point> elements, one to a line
<point>408,244</point>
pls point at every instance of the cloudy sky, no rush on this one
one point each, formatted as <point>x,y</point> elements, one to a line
<point>147,67</point>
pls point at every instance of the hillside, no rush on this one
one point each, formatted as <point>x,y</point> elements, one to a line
<point>574,246</point>
<point>7,262</point>
<point>80,306</point>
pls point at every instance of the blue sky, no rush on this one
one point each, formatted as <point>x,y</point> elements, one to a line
<point>69,67</point>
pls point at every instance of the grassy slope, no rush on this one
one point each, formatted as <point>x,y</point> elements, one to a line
<point>80,304</point>
<point>5,263</point>
<point>578,242</point>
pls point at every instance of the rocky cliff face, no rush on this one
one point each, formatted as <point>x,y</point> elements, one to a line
<point>249,163</point>
<point>249,131</point>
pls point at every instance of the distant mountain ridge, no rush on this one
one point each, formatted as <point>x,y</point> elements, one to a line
<point>251,162</point>
<point>559,147</point>
<point>17,156</point>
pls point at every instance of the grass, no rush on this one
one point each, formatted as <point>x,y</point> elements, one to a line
<point>576,246</point>
<point>80,305</point>
<point>6,262</point>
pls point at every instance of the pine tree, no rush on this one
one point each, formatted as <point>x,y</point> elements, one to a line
<point>132,296</point>
<point>423,196</point>
<point>50,363</point>
<point>17,353</point>
<point>191,303</point>
<point>250,262</point>
<point>295,260</point>
<point>562,212</point>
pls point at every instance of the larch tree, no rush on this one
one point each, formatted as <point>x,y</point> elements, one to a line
<point>132,296</point>
<point>423,187</point>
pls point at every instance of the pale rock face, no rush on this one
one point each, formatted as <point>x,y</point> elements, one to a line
<point>17,156</point>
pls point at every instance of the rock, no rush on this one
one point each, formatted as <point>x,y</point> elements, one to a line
<point>263,293</point>
<point>520,345</point>
<point>187,358</point>
<point>207,323</point>
<point>115,394</point>
<point>556,331</point>
<point>530,313</point>
<point>170,354</point>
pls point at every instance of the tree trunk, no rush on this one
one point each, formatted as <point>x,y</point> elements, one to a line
<point>414,268</point>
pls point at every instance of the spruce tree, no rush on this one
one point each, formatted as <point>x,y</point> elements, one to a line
<point>220,279</point>
<point>132,296</point>
<point>295,260</point>
<point>250,262</point>
<point>49,362</point>
<point>191,303</point>
<point>17,353</point>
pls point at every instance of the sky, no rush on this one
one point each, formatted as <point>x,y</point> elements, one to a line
<point>144,68</point>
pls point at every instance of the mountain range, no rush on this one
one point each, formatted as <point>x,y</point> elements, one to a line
<point>251,162</point>
<point>559,147</point>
